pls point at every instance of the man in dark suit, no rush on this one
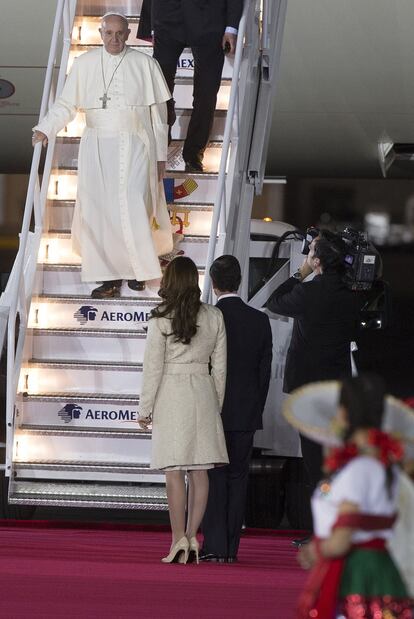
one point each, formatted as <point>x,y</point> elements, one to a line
<point>249,359</point>
<point>325,313</point>
<point>209,27</point>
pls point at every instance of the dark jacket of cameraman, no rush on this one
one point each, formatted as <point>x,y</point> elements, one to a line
<point>325,316</point>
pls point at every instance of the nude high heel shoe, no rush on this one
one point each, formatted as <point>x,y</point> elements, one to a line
<point>178,553</point>
<point>194,547</point>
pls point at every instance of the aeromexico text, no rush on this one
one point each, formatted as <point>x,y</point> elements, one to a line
<point>120,415</point>
<point>89,313</point>
<point>72,412</point>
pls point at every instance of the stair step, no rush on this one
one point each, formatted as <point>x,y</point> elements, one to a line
<point>83,414</point>
<point>196,218</point>
<point>185,64</point>
<point>66,279</point>
<point>70,443</point>
<point>56,248</point>
<point>88,344</point>
<point>178,130</point>
<point>87,471</point>
<point>72,377</point>
<point>68,152</point>
<point>88,495</point>
<point>85,313</point>
<point>185,187</point>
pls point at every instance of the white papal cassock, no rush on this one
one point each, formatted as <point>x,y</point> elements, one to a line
<point>121,223</point>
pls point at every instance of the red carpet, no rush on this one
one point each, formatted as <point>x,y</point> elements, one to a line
<point>101,572</point>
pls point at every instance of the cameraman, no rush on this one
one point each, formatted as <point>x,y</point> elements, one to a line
<point>325,313</point>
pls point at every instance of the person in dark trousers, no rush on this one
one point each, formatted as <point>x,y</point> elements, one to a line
<point>210,28</point>
<point>325,313</point>
<point>249,359</point>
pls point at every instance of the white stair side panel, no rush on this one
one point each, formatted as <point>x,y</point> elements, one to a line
<point>88,347</point>
<point>89,314</point>
<point>80,413</point>
<point>122,380</point>
<point>32,448</point>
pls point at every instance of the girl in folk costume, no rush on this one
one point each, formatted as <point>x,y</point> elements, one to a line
<point>355,508</point>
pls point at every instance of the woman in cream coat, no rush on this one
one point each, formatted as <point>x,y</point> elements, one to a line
<point>182,395</point>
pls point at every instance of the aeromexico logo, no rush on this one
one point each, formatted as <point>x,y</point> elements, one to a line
<point>89,313</point>
<point>71,412</point>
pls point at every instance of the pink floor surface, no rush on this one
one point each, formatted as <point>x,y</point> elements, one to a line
<point>106,571</point>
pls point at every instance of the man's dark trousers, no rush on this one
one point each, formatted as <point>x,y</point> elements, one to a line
<point>224,516</point>
<point>208,66</point>
<point>249,359</point>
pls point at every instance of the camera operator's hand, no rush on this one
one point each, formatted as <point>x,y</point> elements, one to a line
<point>305,269</point>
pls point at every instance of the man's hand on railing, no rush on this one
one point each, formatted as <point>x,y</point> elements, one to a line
<point>229,43</point>
<point>38,136</point>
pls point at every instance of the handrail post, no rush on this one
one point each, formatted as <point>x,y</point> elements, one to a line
<point>218,202</point>
<point>16,289</point>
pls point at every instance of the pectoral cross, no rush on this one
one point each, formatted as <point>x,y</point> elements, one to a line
<point>104,100</point>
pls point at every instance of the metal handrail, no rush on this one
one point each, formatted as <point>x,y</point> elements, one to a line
<point>219,202</point>
<point>15,298</point>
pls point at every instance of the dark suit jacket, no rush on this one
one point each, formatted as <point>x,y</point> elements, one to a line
<point>325,313</point>
<point>194,22</point>
<point>249,360</point>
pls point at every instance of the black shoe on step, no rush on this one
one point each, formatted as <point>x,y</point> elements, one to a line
<point>108,290</point>
<point>135,285</point>
<point>232,559</point>
<point>194,165</point>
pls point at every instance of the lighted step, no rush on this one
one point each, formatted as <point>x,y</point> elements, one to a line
<point>88,471</point>
<point>54,313</point>
<point>103,414</point>
<point>68,151</point>
<point>57,249</point>
<point>29,447</point>
<point>89,345</point>
<point>195,218</point>
<point>185,64</point>
<point>179,129</point>
<point>179,186</point>
<point>88,494</point>
<point>66,280</point>
<point>80,377</point>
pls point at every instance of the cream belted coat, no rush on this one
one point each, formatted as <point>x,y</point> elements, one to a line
<point>121,223</point>
<point>183,395</point>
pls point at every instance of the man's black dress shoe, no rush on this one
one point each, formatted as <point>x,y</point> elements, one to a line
<point>301,541</point>
<point>193,165</point>
<point>135,285</point>
<point>108,290</point>
<point>209,557</point>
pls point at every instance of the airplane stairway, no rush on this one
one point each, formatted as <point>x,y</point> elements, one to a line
<point>76,437</point>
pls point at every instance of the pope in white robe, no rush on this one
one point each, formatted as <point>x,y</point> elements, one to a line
<point>121,223</point>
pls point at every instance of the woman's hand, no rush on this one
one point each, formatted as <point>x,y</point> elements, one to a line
<point>144,422</point>
<point>307,556</point>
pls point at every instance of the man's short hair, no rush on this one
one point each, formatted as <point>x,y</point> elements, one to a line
<point>331,251</point>
<point>225,273</point>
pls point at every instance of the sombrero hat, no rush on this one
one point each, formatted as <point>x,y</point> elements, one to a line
<point>312,408</point>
